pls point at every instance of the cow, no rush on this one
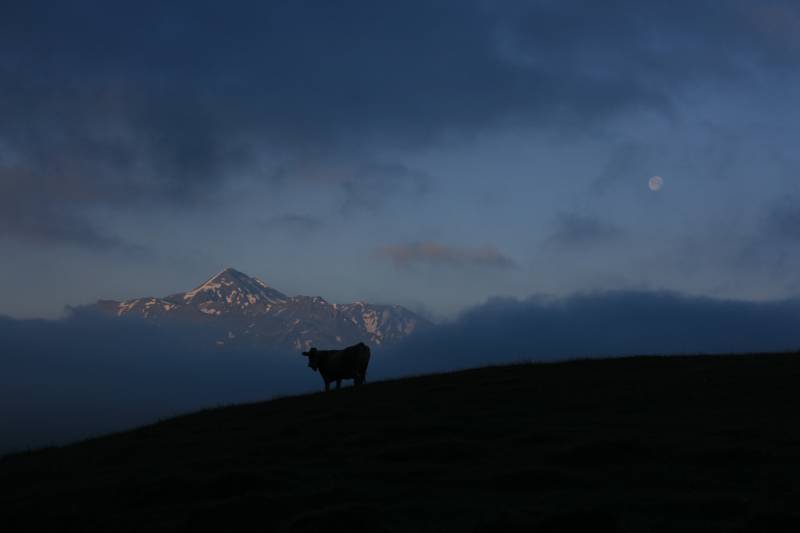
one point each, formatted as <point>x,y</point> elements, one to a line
<point>336,365</point>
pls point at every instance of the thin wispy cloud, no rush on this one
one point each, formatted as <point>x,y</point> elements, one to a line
<point>293,223</point>
<point>783,222</point>
<point>574,231</point>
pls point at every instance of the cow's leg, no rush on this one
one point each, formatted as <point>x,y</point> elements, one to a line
<point>338,383</point>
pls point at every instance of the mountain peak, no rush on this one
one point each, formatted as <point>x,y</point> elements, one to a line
<point>230,276</point>
<point>230,273</point>
<point>231,284</point>
<point>233,272</point>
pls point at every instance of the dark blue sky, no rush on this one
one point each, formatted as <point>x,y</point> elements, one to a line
<point>431,153</point>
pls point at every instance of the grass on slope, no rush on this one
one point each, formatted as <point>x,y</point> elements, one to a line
<point>635,444</point>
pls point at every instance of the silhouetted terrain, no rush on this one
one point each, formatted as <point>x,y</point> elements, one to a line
<point>636,444</point>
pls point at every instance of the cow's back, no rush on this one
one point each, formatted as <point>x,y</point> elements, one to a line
<point>348,363</point>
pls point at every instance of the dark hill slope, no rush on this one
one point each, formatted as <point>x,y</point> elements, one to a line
<point>638,444</point>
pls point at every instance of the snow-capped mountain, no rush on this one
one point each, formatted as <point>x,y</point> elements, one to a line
<point>250,311</point>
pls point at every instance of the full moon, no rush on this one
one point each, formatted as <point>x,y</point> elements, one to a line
<point>655,183</point>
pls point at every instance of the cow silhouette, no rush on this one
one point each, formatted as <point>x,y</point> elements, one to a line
<point>336,365</point>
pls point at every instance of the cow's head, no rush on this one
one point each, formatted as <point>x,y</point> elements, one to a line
<point>313,358</point>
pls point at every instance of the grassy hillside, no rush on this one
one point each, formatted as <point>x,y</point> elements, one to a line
<point>636,444</point>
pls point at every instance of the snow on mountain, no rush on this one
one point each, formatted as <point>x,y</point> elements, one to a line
<point>232,288</point>
<point>253,312</point>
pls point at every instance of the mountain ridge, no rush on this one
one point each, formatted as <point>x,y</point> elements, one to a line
<point>253,312</point>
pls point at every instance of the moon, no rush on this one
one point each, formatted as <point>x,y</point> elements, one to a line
<point>655,183</point>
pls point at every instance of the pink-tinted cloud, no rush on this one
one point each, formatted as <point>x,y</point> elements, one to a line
<point>433,253</point>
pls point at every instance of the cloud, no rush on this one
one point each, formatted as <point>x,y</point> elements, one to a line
<point>771,247</point>
<point>628,161</point>
<point>47,227</point>
<point>783,223</point>
<point>780,22</point>
<point>581,231</point>
<point>32,214</point>
<point>374,185</point>
<point>431,253</point>
<point>293,223</point>
<point>157,104</point>
<point>599,324</point>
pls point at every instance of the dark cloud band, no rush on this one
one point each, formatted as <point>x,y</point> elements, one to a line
<point>153,102</point>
